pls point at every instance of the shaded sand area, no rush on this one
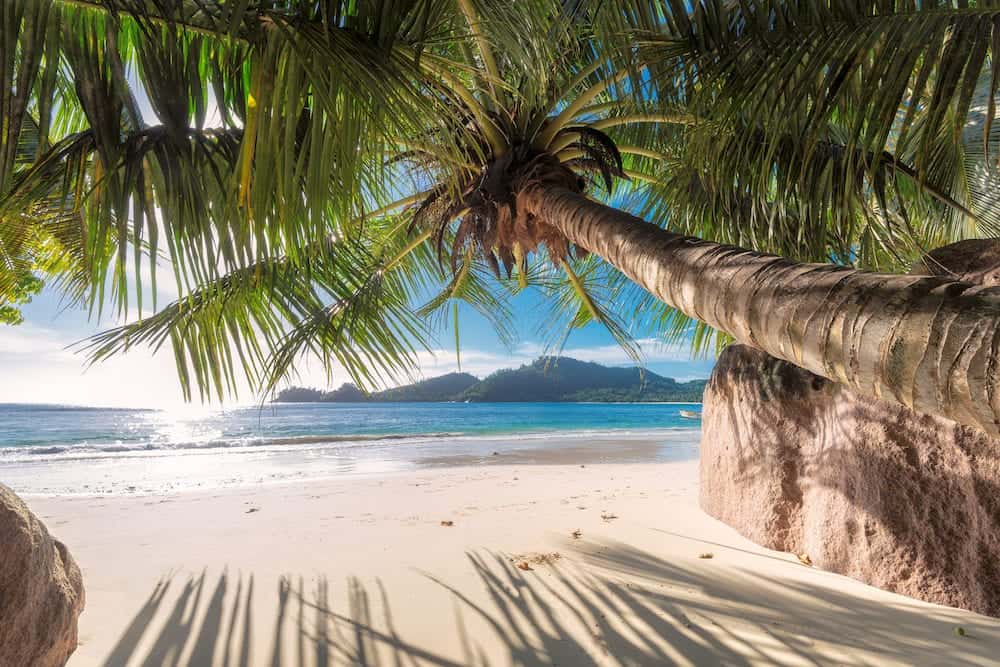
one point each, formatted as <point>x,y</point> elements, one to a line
<point>557,564</point>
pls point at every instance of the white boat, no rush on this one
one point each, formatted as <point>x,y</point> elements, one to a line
<point>688,414</point>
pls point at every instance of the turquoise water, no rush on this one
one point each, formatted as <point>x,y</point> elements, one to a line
<point>61,450</point>
<point>31,430</point>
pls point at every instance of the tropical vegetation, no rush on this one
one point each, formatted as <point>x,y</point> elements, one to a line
<point>559,379</point>
<point>333,178</point>
<point>547,379</point>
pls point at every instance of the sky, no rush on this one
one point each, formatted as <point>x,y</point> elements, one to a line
<point>40,363</point>
<point>41,360</point>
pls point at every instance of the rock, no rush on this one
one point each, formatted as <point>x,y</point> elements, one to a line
<point>41,590</point>
<point>904,501</point>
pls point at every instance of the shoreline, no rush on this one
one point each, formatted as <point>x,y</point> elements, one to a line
<point>35,451</point>
<point>145,472</point>
<point>328,572</point>
<point>484,402</point>
<point>262,406</point>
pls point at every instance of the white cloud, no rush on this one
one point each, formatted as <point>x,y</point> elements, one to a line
<point>481,363</point>
<point>653,351</point>
<point>30,340</point>
<point>38,366</point>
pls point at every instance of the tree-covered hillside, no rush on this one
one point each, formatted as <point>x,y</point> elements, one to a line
<point>441,388</point>
<point>438,389</point>
<point>547,379</point>
<point>558,379</point>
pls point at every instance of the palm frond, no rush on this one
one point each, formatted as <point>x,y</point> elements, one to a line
<point>883,77</point>
<point>580,300</point>
<point>345,305</point>
<point>339,177</point>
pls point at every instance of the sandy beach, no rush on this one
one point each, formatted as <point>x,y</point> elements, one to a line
<point>565,563</point>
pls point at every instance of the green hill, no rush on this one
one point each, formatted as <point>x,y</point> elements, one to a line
<point>441,388</point>
<point>548,379</point>
<point>347,393</point>
<point>558,379</point>
<point>299,395</point>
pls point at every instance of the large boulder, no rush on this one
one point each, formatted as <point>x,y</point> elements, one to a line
<point>903,501</point>
<point>41,590</point>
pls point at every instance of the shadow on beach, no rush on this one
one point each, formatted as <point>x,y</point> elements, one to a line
<point>607,603</point>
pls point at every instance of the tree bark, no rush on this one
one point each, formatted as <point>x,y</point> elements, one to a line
<point>926,342</point>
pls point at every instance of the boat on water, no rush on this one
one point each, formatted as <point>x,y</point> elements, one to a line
<point>688,414</point>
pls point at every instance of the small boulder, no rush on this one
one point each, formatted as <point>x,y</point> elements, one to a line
<point>41,590</point>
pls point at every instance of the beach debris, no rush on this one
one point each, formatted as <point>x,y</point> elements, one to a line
<point>959,631</point>
<point>706,555</point>
<point>577,534</point>
<point>804,559</point>
<point>608,516</point>
<point>252,510</point>
<point>525,561</point>
<point>447,523</point>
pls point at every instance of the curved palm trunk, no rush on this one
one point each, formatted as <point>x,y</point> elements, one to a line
<point>926,342</point>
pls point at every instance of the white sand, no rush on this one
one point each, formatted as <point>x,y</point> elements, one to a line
<point>361,571</point>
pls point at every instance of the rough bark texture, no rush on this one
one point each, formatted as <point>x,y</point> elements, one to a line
<point>41,590</point>
<point>873,490</point>
<point>928,342</point>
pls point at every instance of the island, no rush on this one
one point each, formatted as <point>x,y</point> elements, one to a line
<point>547,379</point>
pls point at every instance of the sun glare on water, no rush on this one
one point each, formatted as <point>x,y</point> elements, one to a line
<point>188,424</point>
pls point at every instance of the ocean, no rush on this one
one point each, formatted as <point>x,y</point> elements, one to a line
<point>50,449</point>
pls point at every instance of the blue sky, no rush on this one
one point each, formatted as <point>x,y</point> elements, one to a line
<point>39,366</point>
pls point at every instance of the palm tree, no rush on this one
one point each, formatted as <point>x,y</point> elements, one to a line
<point>358,142</point>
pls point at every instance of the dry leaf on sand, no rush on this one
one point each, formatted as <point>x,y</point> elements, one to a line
<point>525,561</point>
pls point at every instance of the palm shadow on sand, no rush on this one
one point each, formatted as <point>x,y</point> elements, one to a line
<point>607,603</point>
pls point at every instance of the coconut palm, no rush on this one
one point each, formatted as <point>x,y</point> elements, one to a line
<point>361,145</point>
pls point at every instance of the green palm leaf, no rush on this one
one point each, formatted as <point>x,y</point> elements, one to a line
<point>261,150</point>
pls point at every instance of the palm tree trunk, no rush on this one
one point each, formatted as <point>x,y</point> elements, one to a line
<point>929,343</point>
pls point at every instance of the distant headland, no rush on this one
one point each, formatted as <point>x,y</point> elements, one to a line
<point>547,379</point>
